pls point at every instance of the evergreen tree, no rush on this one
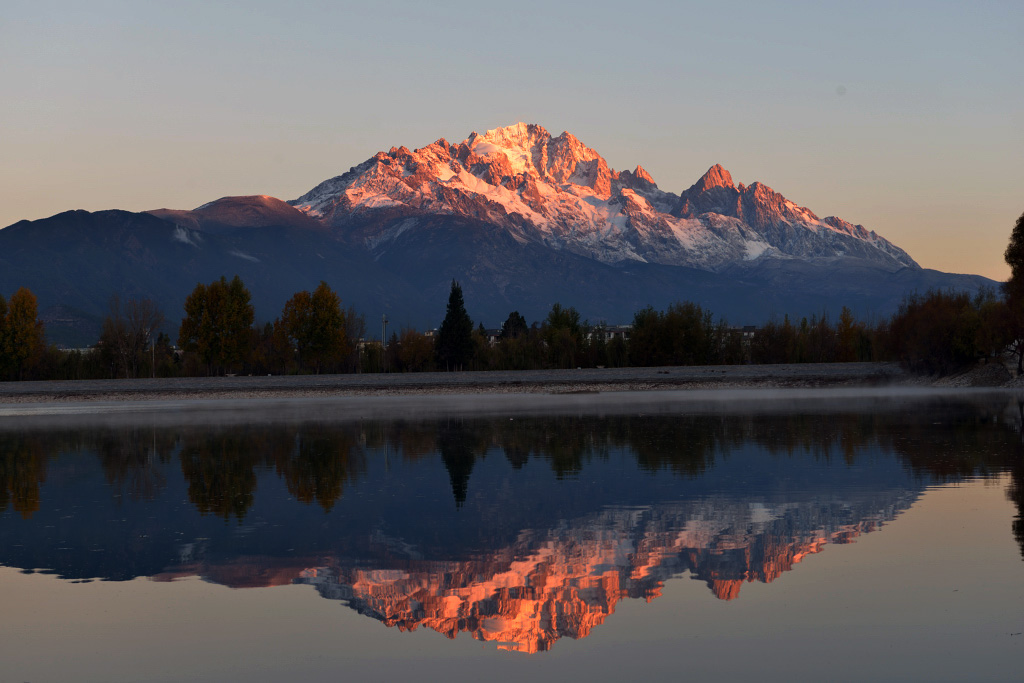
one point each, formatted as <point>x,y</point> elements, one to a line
<point>455,337</point>
<point>563,335</point>
<point>238,320</point>
<point>514,326</point>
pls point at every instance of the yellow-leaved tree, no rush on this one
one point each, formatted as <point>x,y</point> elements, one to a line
<point>21,335</point>
<point>315,326</point>
<point>218,325</point>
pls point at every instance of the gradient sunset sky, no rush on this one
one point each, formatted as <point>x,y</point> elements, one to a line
<point>908,119</point>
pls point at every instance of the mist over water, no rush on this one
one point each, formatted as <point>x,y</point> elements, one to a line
<point>384,407</point>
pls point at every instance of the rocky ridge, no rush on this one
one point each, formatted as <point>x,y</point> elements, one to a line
<point>558,192</point>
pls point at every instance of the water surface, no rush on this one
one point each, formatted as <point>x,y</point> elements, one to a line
<point>777,537</point>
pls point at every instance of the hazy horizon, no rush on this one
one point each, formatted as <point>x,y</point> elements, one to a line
<point>907,120</point>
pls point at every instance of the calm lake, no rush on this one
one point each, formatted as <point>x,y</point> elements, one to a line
<point>831,535</point>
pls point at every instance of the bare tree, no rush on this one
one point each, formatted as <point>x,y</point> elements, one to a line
<point>129,330</point>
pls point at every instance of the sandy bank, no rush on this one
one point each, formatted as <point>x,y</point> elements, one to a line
<point>443,383</point>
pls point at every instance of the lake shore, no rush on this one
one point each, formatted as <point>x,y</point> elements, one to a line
<point>581,381</point>
<point>586,381</point>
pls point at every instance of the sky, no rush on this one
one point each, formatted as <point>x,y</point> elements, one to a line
<point>907,118</point>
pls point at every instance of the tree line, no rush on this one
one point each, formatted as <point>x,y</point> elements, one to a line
<point>933,333</point>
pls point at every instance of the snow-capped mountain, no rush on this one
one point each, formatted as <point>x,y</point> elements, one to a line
<point>520,218</point>
<point>558,192</point>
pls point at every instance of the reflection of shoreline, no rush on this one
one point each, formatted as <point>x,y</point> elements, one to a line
<point>319,460</point>
<point>565,581</point>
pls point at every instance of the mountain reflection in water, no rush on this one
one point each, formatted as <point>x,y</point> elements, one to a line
<point>517,531</point>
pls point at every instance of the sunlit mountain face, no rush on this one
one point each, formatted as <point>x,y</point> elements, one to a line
<point>517,531</point>
<point>554,190</point>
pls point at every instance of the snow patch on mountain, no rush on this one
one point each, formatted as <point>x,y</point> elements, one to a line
<point>392,233</point>
<point>183,235</point>
<point>244,256</point>
<point>755,249</point>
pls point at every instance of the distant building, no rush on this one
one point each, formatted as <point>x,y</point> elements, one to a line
<point>617,332</point>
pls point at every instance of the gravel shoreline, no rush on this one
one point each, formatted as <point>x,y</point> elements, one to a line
<point>447,383</point>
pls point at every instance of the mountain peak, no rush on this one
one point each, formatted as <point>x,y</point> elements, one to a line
<point>518,138</point>
<point>642,174</point>
<point>638,179</point>
<point>241,211</point>
<point>532,151</point>
<point>521,143</point>
<point>716,176</point>
<point>519,134</point>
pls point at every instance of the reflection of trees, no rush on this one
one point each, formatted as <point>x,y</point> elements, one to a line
<point>967,442</point>
<point>812,434</point>
<point>412,440</point>
<point>22,469</point>
<point>316,461</point>
<point>954,444</point>
<point>129,457</point>
<point>220,470</point>
<point>220,465</point>
<point>1016,495</point>
<point>565,443</point>
<point>322,461</point>
<point>456,444</point>
<point>1016,490</point>
<point>686,445</point>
